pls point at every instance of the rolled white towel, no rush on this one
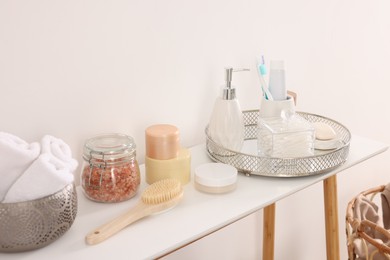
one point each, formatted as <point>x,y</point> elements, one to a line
<point>59,149</point>
<point>45,176</point>
<point>16,155</point>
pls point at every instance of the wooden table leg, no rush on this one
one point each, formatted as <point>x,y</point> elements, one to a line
<point>268,232</point>
<point>331,218</point>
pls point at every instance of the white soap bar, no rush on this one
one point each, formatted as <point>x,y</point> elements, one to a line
<point>324,131</point>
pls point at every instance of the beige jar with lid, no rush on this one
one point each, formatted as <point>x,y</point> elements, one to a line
<point>165,158</point>
<point>110,171</point>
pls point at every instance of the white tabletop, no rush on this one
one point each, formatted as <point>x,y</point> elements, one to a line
<point>197,215</point>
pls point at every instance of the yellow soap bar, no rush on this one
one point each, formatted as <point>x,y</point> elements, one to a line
<point>178,168</point>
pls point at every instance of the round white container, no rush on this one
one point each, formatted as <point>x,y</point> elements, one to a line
<point>215,178</point>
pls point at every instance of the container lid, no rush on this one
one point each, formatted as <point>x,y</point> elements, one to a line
<point>288,123</point>
<point>109,147</point>
<point>215,174</point>
<point>162,142</point>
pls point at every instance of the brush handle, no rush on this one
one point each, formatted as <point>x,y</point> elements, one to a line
<point>139,211</point>
<point>114,226</point>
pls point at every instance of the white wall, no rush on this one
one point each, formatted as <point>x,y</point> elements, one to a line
<point>75,69</point>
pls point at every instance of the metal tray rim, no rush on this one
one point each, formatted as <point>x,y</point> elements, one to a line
<point>322,163</point>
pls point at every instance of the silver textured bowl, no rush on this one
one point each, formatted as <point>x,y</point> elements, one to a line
<point>34,224</point>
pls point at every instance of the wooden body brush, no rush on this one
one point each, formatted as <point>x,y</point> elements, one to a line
<point>157,197</point>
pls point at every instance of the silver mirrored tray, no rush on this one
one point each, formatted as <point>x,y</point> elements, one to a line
<point>247,161</point>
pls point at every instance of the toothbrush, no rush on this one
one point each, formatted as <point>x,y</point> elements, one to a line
<point>262,71</point>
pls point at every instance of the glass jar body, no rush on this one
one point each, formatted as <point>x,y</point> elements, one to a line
<point>112,183</point>
<point>110,172</point>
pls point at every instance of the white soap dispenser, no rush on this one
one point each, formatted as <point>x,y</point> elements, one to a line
<point>226,126</point>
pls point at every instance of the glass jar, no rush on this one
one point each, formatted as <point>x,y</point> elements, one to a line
<point>288,136</point>
<point>110,171</point>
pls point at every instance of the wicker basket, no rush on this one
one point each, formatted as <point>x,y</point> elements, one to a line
<point>34,224</point>
<point>356,229</point>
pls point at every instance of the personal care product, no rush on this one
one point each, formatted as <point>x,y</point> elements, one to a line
<point>215,178</point>
<point>156,198</point>
<point>277,81</point>
<point>261,72</point>
<point>165,158</point>
<point>285,137</point>
<point>275,108</point>
<point>282,133</point>
<point>110,171</point>
<point>226,125</point>
<point>324,131</point>
<point>326,137</point>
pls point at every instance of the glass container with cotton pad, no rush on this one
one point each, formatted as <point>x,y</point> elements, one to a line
<point>215,178</point>
<point>287,136</point>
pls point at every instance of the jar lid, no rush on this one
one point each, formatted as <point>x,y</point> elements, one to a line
<point>215,175</point>
<point>109,147</point>
<point>162,142</point>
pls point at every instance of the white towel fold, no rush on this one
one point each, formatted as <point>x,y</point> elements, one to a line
<point>16,155</point>
<point>59,149</point>
<point>47,175</point>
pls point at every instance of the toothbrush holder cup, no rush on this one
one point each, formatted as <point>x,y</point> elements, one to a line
<point>274,108</point>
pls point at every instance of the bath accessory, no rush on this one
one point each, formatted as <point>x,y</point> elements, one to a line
<point>157,197</point>
<point>48,169</point>
<point>277,81</point>
<point>226,124</point>
<point>47,175</point>
<point>261,72</point>
<point>385,202</point>
<point>324,131</point>
<point>110,171</point>
<point>164,157</point>
<point>215,178</point>
<point>60,151</point>
<point>286,136</point>
<point>16,155</point>
<point>37,223</point>
<point>178,168</point>
<point>162,141</point>
<point>366,233</point>
<point>328,144</point>
<point>326,137</point>
<point>282,133</point>
<point>274,108</point>
<point>249,162</point>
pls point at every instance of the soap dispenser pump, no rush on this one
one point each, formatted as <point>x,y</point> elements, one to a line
<point>226,126</point>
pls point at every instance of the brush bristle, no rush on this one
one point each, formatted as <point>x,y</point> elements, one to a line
<point>162,191</point>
